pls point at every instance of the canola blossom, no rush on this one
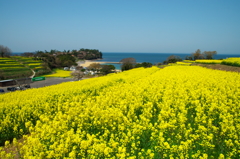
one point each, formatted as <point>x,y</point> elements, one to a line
<point>183,63</point>
<point>4,59</point>
<point>174,112</point>
<point>232,61</point>
<point>60,73</point>
<point>9,63</point>
<point>209,61</point>
<point>179,63</point>
<point>35,63</point>
<point>18,63</point>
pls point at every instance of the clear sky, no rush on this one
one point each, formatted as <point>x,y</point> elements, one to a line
<point>156,26</point>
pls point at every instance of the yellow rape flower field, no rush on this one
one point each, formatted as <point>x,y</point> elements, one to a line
<point>234,61</point>
<point>175,112</point>
<point>209,61</point>
<point>60,73</point>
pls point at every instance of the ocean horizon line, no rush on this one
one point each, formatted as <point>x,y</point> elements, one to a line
<point>107,52</point>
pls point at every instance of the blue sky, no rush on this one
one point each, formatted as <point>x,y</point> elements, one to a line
<point>156,26</point>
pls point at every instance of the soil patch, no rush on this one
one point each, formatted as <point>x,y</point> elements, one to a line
<point>219,67</point>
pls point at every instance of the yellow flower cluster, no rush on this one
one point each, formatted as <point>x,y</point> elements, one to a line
<point>11,65</point>
<point>209,61</point>
<point>179,63</point>
<point>18,63</point>
<point>183,63</point>
<point>174,112</point>
<point>28,61</point>
<point>4,59</point>
<point>60,73</point>
<point>232,61</point>
<point>35,64</point>
<point>7,63</point>
<point>14,68</point>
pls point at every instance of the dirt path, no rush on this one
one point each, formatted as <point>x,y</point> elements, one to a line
<point>33,73</point>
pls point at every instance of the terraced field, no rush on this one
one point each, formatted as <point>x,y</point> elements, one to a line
<point>17,67</point>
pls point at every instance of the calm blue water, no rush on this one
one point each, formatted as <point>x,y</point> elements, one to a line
<point>153,58</point>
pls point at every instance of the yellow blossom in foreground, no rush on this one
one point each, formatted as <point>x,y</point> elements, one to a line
<point>175,112</point>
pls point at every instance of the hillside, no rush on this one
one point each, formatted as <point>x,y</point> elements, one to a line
<point>19,67</point>
<point>177,111</point>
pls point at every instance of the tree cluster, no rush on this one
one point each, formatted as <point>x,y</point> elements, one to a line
<point>172,59</point>
<point>94,66</point>
<point>77,74</point>
<point>56,59</point>
<point>104,69</point>
<point>144,64</point>
<point>130,63</point>
<point>28,54</point>
<point>201,55</point>
<point>81,54</point>
<point>5,51</point>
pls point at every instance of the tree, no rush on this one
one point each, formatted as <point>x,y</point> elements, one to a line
<point>77,74</point>
<point>79,68</point>
<point>68,63</point>
<point>129,59</point>
<point>47,58</point>
<point>94,66</point>
<point>188,58</point>
<point>5,51</point>
<point>28,54</point>
<point>66,60</point>
<point>144,64</point>
<point>53,51</point>
<point>106,69</point>
<point>197,55</point>
<point>127,66</point>
<point>138,65</point>
<point>172,59</point>
<point>45,66</point>
<point>128,63</point>
<point>209,54</point>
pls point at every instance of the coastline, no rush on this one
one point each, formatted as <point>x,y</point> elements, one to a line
<point>86,63</point>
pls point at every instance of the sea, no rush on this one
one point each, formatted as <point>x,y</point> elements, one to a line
<point>153,58</point>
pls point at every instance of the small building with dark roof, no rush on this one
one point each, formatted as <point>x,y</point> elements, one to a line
<point>9,82</point>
